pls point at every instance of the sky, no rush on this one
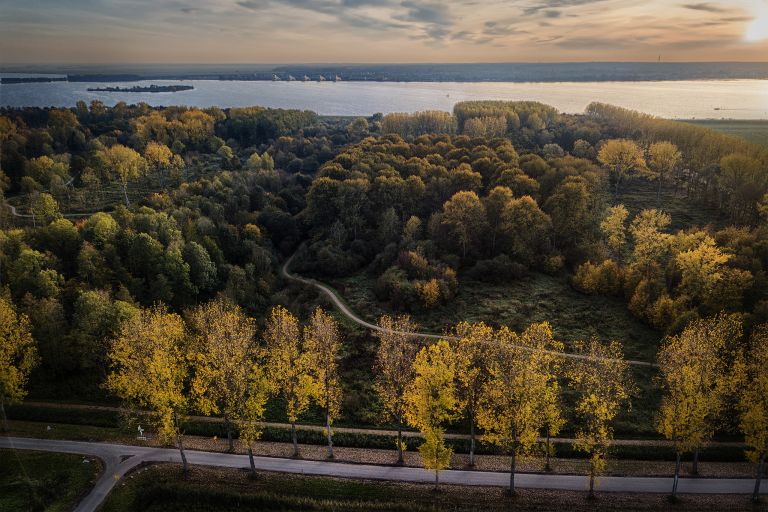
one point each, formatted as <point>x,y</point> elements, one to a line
<point>378,31</point>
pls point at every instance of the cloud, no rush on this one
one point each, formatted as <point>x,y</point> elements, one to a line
<point>425,12</point>
<point>706,7</point>
<point>251,4</point>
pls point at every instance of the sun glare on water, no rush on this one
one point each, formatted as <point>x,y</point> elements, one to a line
<point>757,30</point>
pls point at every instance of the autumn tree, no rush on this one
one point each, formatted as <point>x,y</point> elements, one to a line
<point>322,344</point>
<point>516,396</point>
<point>18,357</point>
<point>431,402</point>
<point>464,220</point>
<point>753,404</point>
<point>124,164</point>
<point>150,369</point>
<point>229,375</point>
<point>614,229</point>
<point>160,159</point>
<point>663,159</point>
<point>288,366</point>
<point>394,368</point>
<point>622,158</point>
<point>473,353</point>
<point>601,381</point>
<point>651,242</point>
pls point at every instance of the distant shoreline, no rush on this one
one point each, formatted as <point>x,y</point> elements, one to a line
<point>138,88</point>
<point>505,72</point>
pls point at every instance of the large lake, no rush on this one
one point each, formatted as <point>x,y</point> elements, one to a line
<point>736,99</point>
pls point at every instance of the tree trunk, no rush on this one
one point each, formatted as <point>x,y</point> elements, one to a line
<point>179,442</point>
<point>437,479</point>
<point>591,482</point>
<point>472,440</point>
<point>759,476</point>
<point>400,459</point>
<point>658,195</point>
<point>250,460</point>
<point>547,465</point>
<point>512,466</point>
<point>676,480</point>
<point>125,194</point>
<point>4,426</point>
<point>295,442</point>
<point>328,433</point>
<point>181,451</point>
<point>228,425</point>
<point>695,468</point>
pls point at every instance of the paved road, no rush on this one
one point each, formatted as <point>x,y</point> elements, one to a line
<point>119,459</point>
<point>346,311</point>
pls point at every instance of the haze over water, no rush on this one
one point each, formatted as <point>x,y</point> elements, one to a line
<point>735,99</point>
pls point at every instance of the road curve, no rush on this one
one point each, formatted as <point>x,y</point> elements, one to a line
<point>339,304</point>
<point>119,459</point>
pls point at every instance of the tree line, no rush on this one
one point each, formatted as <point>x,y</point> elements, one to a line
<point>506,384</point>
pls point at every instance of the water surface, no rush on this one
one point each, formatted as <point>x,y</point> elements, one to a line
<point>716,99</point>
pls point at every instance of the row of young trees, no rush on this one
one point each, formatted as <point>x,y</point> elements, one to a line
<point>213,362</point>
<point>504,383</point>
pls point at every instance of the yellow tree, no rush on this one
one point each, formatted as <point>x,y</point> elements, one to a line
<point>394,368</point>
<point>473,352</point>
<point>124,164</point>
<point>614,229</point>
<point>663,159</point>
<point>149,369</point>
<point>695,378</point>
<point>18,357</point>
<point>159,158</point>
<point>651,242</point>
<point>553,416</point>
<point>512,411</point>
<point>322,343</point>
<point>229,372</point>
<point>622,158</point>
<point>754,402</point>
<point>431,401</point>
<point>287,366</point>
<point>602,384</point>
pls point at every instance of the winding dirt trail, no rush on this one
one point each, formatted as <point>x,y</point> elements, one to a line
<point>346,311</point>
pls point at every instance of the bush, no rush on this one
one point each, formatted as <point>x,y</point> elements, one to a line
<point>500,267</point>
<point>604,279</point>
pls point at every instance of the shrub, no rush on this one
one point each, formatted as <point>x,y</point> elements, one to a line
<point>605,278</point>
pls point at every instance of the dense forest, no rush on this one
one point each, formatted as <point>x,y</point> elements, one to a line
<point>109,210</point>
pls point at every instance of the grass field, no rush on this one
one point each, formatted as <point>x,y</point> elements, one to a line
<point>160,488</point>
<point>753,130</point>
<point>36,481</point>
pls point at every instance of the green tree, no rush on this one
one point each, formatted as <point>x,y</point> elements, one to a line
<point>18,357</point>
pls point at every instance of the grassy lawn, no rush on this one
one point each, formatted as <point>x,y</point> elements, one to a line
<point>539,297</point>
<point>37,481</point>
<point>161,488</point>
<point>753,130</point>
